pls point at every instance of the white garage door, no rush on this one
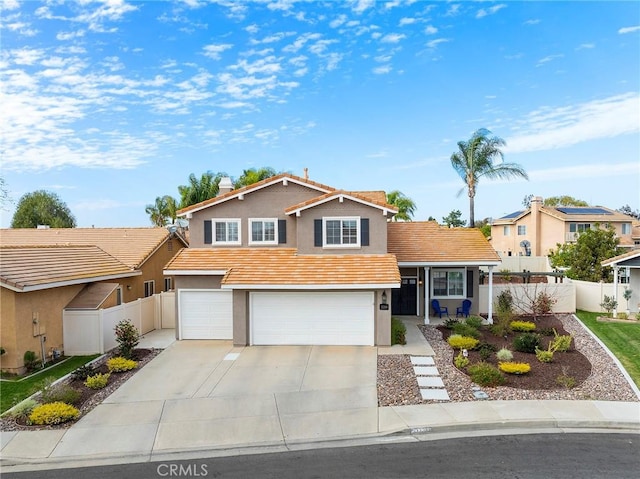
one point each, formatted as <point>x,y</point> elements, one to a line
<point>205,314</point>
<point>327,318</point>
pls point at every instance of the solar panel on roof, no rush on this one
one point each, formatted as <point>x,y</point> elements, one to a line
<point>584,211</point>
<point>515,214</point>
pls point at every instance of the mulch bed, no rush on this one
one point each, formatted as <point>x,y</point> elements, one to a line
<point>542,375</point>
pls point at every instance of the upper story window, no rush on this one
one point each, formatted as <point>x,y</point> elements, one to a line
<point>341,232</point>
<point>149,288</point>
<point>168,284</point>
<point>522,230</point>
<point>448,283</point>
<point>263,231</point>
<point>626,228</point>
<point>226,231</point>
<point>579,227</point>
<point>506,230</point>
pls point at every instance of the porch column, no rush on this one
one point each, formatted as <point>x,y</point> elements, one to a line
<point>490,306</point>
<point>426,295</point>
<point>615,290</point>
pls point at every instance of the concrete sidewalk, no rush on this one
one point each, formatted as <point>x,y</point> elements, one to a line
<point>203,398</point>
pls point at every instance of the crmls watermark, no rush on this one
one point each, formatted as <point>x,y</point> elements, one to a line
<point>182,470</point>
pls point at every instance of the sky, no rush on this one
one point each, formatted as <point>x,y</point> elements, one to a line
<point>112,104</point>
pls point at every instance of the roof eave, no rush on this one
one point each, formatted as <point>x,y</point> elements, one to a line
<point>57,284</point>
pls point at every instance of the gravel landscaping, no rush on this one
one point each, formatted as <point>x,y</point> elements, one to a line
<point>397,384</point>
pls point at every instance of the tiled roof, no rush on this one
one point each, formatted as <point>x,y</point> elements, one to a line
<point>375,196</point>
<point>131,246</point>
<point>254,186</point>
<point>366,197</point>
<point>635,253</point>
<point>428,242</point>
<point>34,267</point>
<point>283,266</point>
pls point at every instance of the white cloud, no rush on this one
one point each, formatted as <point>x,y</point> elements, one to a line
<point>393,38</point>
<point>586,46</point>
<point>213,51</point>
<point>301,42</point>
<point>9,4</point>
<point>382,70</point>
<point>483,12</point>
<point>585,171</point>
<point>552,128</point>
<point>548,58</point>
<point>453,10</point>
<point>70,35</point>
<point>533,21</point>
<point>436,42</point>
<point>430,30</point>
<point>253,28</point>
<point>340,20</point>
<point>407,21</point>
<point>624,30</point>
<point>360,6</point>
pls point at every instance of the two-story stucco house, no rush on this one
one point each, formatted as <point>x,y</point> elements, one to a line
<point>538,229</point>
<point>291,261</point>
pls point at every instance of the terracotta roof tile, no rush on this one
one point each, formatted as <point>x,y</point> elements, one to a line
<point>32,266</point>
<point>283,266</point>
<point>428,242</point>
<point>328,196</point>
<point>131,246</point>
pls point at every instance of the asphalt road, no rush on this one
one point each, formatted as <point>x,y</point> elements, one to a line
<point>548,456</point>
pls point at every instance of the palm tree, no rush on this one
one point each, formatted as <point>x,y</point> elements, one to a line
<point>199,189</point>
<point>162,211</point>
<point>253,175</point>
<point>406,206</point>
<point>474,160</point>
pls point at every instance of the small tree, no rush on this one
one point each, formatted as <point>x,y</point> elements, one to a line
<point>42,208</point>
<point>453,219</point>
<point>609,304</point>
<point>126,337</point>
<point>627,296</point>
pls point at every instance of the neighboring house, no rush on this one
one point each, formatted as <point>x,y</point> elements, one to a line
<point>291,261</point>
<point>538,229</point>
<point>45,271</point>
<point>629,263</point>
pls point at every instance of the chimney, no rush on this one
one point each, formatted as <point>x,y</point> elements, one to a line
<point>225,185</point>
<point>306,173</point>
<point>534,234</point>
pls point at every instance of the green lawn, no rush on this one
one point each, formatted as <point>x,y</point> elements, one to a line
<point>14,391</point>
<point>622,339</point>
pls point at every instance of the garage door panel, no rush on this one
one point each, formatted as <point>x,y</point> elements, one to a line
<point>206,314</point>
<point>322,318</point>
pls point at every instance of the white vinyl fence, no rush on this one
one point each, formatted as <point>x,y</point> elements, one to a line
<point>590,295</point>
<point>92,332</point>
<point>523,294</point>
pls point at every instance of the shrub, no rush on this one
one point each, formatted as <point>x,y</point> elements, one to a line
<point>561,342</point>
<point>504,355</point>
<point>126,337</point>
<point>97,381</point>
<point>59,393</point>
<point>457,341</point>
<point>505,302</point>
<point>398,332</point>
<point>522,326</point>
<point>546,331</point>
<point>31,360</point>
<point>526,342</point>
<point>120,364</point>
<point>545,355</point>
<point>514,368</point>
<point>83,372</point>
<point>500,327</point>
<point>23,409</point>
<point>464,329</point>
<point>474,322</point>
<point>53,413</point>
<point>542,304</point>
<point>609,304</point>
<point>461,361</point>
<point>623,315</point>
<point>485,374</point>
<point>450,322</point>
<point>565,380</point>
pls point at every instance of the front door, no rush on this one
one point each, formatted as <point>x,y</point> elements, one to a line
<point>404,301</point>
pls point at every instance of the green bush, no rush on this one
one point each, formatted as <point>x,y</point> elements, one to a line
<point>53,413</point>
<point>622,316</point>
<point>457,341</point>
<point>526,342</point>
<point>98,381</point>
<point>485,374</point>
<point>514,368</point>
<point>522,326</point>
<point>504,355</point>
<point>464,329</point>
<point>127,338</point>
<point>544,355</point>
<point>561,342</point>
<point>31,360</point>
<point>120,364</point>
<point>474,321</point>
<point>505,302</point>
<point>83,372</point>
<point>60,393</point>
<point>450,322</point>
<point>398,332</point>
<point>460,361</point>
<point>23,409</point>
<point>486,350</point>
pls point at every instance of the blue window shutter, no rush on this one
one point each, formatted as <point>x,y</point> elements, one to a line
<point>364,231</point>
<point>317,232</point>
<point>282,231</point>
<point>208,235</point>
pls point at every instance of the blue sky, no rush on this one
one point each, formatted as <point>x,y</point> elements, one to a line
<point>111,104</point>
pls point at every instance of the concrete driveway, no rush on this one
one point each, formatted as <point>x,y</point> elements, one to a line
<point>204,394</point>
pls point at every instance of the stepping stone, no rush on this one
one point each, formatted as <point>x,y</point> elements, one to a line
<point>422,360</point>
<point>426,371</point>
<point>430,382</point>
<point>435,394</point>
